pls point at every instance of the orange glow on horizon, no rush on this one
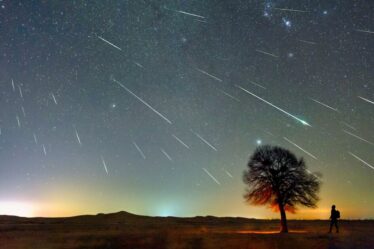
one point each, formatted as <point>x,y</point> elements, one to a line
<point>268,231</point>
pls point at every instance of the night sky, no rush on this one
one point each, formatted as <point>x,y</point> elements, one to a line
<point>154,107</point>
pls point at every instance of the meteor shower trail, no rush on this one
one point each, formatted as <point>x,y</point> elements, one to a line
<point>292,10</point>
<point>365,31</point>
<point>186,13</point>
<point>276,107</point>
<point>205,141</point>
<point>367,100</point>
<point>77,136</point>
<point>166,155</point>
<point>229,95</point>
<point>141,100</point>
<point>104,165</point>
<point>108,42</point>
<point>54,98</point>
<point>307,42</point>
<point>13,86</point>
<point>361,160</point>
<point>208,74</point>
<point>229,174</point>
<point>139,150</point>
<point>267,53</point>
<point>325,105</point>
<point>256,84</point>
<point>180,141</point>
<point>211,176</point>
<point>297,146</point>
<point>358,137</point>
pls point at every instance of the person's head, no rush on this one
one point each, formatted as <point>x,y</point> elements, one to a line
<point>333,207</point>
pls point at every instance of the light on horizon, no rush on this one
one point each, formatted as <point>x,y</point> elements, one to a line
<point>16,208</point>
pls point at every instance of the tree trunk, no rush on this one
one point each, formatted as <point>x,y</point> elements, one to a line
<point>284,228</point>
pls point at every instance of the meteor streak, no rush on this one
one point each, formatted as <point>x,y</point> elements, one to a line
<point>361,160</point>
<point>211,176</point>
<point>228,173</point>
<point>104,164</point>
<point>297,146</point>
<point>190,14</point>
<point>310,172</point>
<point>138,64</point>
<point>348,125</point>
<point>360,138</point>
<point>54,98</point>
<point>365,31</point>
<point>35,138</point>
<point>108,42</point>
<point>228,95</point>
<point>166,154</point>
<point>14,88</point>
<point>141,100</point>
<point>139,150</point>
<point>276,107</point>
<point>307,42</point>
<point>292,10</point>
<point>18,121</point>
<point>44,150</point>
<point>266,53</point>
<point>367,100</point>
<point>208,74</point>
<point>256,84</point>
<point>186,13</point>
<point>20,91</point>
<point>180,141</point>
<point>323,104</point>
<point>77,135</point>
<point>205,141</point>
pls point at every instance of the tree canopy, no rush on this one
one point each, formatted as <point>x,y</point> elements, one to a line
<point>276,177</point>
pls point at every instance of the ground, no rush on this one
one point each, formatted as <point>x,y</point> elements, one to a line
<point>124,230</point>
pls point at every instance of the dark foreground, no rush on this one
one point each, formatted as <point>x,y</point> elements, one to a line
<point>124,230</point>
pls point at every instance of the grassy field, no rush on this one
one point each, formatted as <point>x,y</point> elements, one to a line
<point>124,230</point>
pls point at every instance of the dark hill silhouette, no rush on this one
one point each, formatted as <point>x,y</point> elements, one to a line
<point>125,230</point>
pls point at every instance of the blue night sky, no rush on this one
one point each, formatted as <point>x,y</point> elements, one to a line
<point>154,107</point>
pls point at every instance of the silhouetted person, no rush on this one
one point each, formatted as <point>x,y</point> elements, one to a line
<point>335,215</point>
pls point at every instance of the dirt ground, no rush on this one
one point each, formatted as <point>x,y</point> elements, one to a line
<point>124,230</point>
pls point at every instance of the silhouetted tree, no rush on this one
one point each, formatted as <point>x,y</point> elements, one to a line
<point>275,177</point>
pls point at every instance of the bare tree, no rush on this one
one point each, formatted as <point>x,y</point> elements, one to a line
<point>275,177</point>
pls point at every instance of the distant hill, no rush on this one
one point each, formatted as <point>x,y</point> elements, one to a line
<point>121,217</point>
<point>123,230</point>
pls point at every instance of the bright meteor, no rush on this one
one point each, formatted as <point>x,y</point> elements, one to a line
<point>276,107</point>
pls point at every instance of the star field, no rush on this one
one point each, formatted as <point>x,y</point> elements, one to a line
<point>154,107</point>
